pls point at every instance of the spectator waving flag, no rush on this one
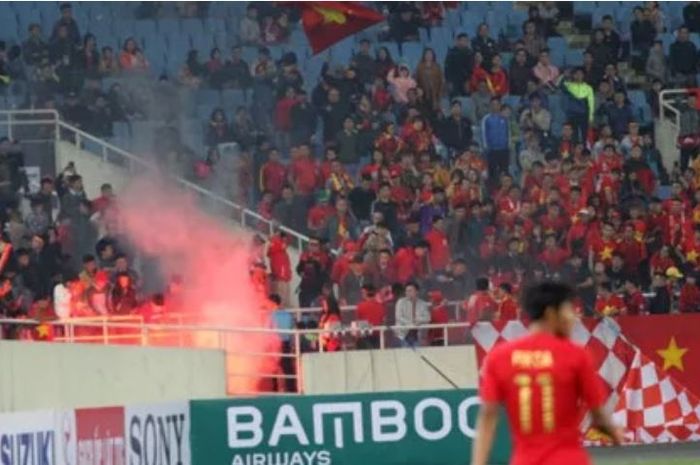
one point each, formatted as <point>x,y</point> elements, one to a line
<point>327,23</point>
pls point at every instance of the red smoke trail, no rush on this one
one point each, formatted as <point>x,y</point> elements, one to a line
<point>213,259</point>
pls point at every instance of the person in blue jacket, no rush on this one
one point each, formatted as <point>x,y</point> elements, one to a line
<point>496,140</point>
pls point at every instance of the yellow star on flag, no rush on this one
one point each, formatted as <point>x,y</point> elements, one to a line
<point>606,253</point>
<point>42,330</point>
<point>331,16</point>
<point>692,256</point>
<point>672,355</point>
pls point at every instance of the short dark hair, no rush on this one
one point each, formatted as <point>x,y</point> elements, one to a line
<point>412,284</point>
<point>275,298</point>
<point>482,284</point>
<point>541,296</point>
<point>88,258</point>
<point>506,287</point>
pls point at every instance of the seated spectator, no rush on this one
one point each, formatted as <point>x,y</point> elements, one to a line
<point>497,79</point>
<point>411,311</point>
<point>546,73</point>
<point>536,118</point>
<point>218,130</point>
<point>192,72</point>
<point>131,59</point>
<point>691,16</point>
<point>383,63</point>
<point>656,68</point>
<point>619,114</point>
<point>108,65</point>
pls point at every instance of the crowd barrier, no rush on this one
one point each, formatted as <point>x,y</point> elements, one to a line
<point>420,427</point>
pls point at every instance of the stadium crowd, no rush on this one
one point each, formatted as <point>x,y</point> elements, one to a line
<point>454,180</point>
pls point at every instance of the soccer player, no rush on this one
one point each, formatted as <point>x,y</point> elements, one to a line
<point>545,382</point>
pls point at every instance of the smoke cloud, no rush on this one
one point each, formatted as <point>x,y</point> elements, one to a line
<point>213,259</point>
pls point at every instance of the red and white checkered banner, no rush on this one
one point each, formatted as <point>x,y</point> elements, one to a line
<point>650,404</point>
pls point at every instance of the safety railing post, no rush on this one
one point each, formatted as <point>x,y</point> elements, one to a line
<point>297,360</point>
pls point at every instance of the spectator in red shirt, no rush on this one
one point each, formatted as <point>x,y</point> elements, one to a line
<point>273,174</point>
<point>280,266</point>
<point>607,303</point>
<point>602,248</point>
<point>412,262</point>
<point>689,300</point>
<point>480,306</point>
<point>302,173</point>
<point>632,249</point>
<point>105,200</point>
<point>439,315</point>
<point>553,256</point>
<point>635,301</point>
<point>373,312</point>
<point>508,308</point>
<point>439,247</point>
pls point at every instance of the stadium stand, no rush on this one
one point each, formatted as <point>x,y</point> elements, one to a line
<point>453,146</point>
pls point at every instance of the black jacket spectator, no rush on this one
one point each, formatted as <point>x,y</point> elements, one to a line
<point>35,49</point>
<point>459,64</point>
<point>404,25</point>
<point>519,74</point>
<point>236,71</point>
<point>643,34</point>
<point>303,118</point>
<point>456,131</point>
<point>484,44</point>
<point>683,56</point>
<point>69,22</point>
<point>361,199</point>
<point>691,16</point>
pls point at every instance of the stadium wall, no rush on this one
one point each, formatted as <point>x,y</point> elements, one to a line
<point>49,375</point>
<point>389,370</point>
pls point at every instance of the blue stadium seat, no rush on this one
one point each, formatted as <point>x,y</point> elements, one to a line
<point>209,97</point>
<point>232,98</point>
<point>169,27</point>
<point>8,22</point>
<point>121,129</point>
<point>25,17</point>
<point>412,52</point>
<point>215,25</point>
<point>573,57</point>
<point>192,26</point>
<point>341,52</point>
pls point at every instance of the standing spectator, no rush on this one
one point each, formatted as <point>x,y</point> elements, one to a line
<point>330,322</point>
<point>131,58</point>
<point>312,269</point>
<point>404,27</point>
<point>283,320</point>
<point>689,131</point>
<point>334,115</point>
<point>496,140</point>
<point>350,286</point>
<point>619,115</point>
<point>429,78</point>
<point>373,312</point>
<point>411,310</point>
<point>218,130</point>
<point>68,22</point>
<point>660,303</point>
<point>383,62</point>
<point>456,131</point>
<point>520,73</point>
<point>691,16</point>
<point>89,58</point>
<point>683,58</point>
<point>536,117</point>
<point>348,145</point>
<point>236,72</point>
<point>600,51</point>
<point>480,306</point>
<point>497,79</point>
<point>361,199</point>
<point>459,64</point>
<point>250,27</point>
<point>109,65</point>
<point>655,67</point>
<point>581,105</point>
<point>643,33</point>
<point>193,71</point>
<point>533,40</point>
<point>342,224</point>
<point>123,297</point>
<point>364,63</point>
<point>612,38</point>
<point>35,49</point>
<point>280,266</point>
<point>303,120</point>
<point>401,82</point>
<point>484,44</point>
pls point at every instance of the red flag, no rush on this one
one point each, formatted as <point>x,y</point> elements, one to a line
<point>326,23</point>
<point>671,341</point>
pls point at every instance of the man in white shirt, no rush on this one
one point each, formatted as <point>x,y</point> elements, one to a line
<point>411,311</point>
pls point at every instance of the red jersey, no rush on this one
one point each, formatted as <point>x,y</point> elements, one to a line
<point>508,309</point>
<point>603,250</point>
<point>370,311</point>
<point>689,300</point>
<point>304,175</point>
<point>636,303</point>
<point>545,383</point>
<point>480,305</point>
<point>554,258</point>
<point>633,252</point>
<point>439,249</point>
<point>273,176</point>
<point>280,267</point>
<point>610,306</point>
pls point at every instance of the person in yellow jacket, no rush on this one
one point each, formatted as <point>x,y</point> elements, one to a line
<point>580,103</point>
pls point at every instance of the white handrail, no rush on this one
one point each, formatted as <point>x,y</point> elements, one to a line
<point>247,216</point>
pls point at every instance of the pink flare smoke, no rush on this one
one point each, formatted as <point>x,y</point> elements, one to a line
<point>213,259</point>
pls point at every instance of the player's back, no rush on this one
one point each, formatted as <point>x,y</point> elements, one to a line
<point>545,383</point>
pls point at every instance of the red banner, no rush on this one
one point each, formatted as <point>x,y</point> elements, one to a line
<point>671,341</point>
<point>100,435</point>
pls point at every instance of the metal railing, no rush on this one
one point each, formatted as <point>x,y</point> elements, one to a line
<point>64,132</point>
<point>668,125</point>
<point>134,331</point>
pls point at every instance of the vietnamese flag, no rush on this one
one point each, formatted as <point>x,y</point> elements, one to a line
<point>671,341</point>
<point>326,23</point>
